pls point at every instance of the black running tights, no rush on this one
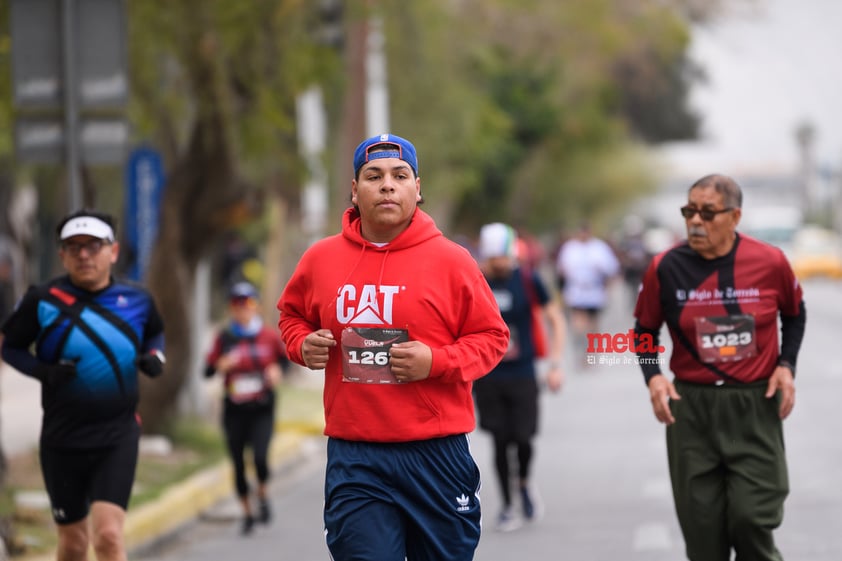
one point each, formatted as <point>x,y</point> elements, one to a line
<point>502,462</point>
<point>249,429</point>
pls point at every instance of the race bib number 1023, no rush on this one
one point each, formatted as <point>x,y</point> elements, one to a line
<point>725,338</point>
<point>365,354</point>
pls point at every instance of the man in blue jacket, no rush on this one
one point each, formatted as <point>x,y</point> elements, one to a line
<point>84,336</point>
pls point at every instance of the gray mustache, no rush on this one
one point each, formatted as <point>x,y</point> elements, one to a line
<point>696,231</point>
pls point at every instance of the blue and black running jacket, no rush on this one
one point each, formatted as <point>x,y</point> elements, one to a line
<point>103,333</point>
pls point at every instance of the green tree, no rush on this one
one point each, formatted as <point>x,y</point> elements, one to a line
<point>524,110</point>
<point>214,84</point>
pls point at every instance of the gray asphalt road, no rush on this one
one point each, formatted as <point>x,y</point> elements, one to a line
<point>601,469</point>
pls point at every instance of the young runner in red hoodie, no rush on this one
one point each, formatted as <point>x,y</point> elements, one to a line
<point>403,322</point>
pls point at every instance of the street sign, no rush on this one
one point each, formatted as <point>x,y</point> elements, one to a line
<point>99,29</point>
<point>144,190</point>
<point>36,60</point>
<point>41,140</point>
<point>103,141</point>
<point>101,49</point>
<point>69,84</point>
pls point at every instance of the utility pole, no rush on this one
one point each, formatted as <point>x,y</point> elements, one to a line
<point>353,125</point>
<point>377,88</point>
<point>71,120</point>
<point>366,105</point>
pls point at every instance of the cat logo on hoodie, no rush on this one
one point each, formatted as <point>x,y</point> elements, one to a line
<point>371,306</point>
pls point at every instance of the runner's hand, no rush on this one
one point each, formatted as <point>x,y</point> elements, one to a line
<point>410,361</point>
<point>227,361</point>
<point>315,350</point>
<point>555,378</point>
<point>661,391</point>
<point>151,363</point>
<point>273,374</point>
<point>782,380</point>
<point>54,375</point>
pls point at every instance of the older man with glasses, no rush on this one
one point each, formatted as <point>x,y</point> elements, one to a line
<point>84,336</point>
<point>721,294</point>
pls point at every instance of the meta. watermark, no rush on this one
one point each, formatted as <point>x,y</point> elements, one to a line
<point>608,349</point>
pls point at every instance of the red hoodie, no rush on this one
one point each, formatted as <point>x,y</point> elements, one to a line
<point>421,282</point>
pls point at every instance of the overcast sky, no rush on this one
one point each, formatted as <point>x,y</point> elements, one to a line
<point>769,69</point>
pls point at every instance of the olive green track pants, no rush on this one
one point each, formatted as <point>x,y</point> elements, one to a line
<point>728,469</point>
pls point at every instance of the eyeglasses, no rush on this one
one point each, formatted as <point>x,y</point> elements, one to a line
<point>92,247</point>
<point>707,214</point>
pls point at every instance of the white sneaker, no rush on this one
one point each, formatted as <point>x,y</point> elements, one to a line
<point>508,521</point>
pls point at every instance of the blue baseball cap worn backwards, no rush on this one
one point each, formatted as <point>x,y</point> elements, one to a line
<point>405,151</point>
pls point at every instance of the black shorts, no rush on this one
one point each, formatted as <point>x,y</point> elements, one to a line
<point>76,478</point>
<point>508,407</point>
<point>591,312</point>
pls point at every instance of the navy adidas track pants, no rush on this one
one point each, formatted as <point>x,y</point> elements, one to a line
<point>410,500</point>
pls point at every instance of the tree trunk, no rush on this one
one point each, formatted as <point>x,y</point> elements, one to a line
<point>170,280</point>
<point>201,192</point>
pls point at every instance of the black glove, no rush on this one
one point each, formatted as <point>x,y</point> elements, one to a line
<point>54,375</point>
<point>151,363</point>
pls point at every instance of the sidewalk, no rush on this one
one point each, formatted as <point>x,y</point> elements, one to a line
<point>20,411</point>
<point>21,417</point>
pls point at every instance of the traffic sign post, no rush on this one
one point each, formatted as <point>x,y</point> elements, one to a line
<point>69,84</point>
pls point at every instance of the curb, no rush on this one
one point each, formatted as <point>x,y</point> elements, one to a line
<point>190,498</point>
<point>187,500</point>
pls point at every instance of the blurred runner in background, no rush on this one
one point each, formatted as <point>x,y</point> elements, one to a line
<point>250,356</point>
<point>507,399</point>
<point>584,267</point>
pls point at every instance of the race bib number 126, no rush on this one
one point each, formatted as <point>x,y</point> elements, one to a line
<point>365,354</point>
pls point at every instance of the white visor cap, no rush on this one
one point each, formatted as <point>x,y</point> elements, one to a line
<point>87,226</point>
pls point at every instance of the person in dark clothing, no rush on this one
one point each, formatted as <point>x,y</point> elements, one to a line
<point>721,294</point>
<point>507,398</point>
<point>91,335</point>
<point>250,356</point>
